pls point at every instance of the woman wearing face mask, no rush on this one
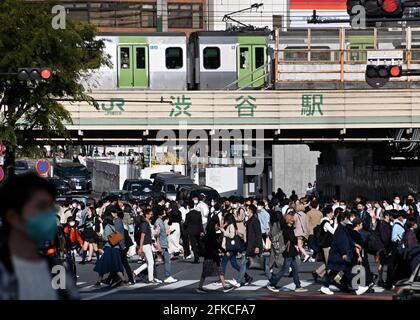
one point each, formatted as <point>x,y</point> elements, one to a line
<point>174,224</point>
<point>29,220</point>
<point>397,203</point>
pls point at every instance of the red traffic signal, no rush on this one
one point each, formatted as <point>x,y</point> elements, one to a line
<point>391,6</point>
<point>378,75</point>
<point>35,74</point>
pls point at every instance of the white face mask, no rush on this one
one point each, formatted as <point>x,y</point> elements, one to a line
<point>343,207</point>
<point>167,205</point>
<point>397,201</point>
<point>259,207</point>
<point>195,201</point>
<point>234,206</point>
<point>74,205</point>
<point>212,209</point>
<point>72,223</point>
<point>79,207</point>
<point>213,203</point>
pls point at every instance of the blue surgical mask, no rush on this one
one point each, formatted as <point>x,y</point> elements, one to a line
<point>43,226</point>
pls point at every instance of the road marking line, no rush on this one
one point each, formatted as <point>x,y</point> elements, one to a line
<point>137,286</point>
<point>292,286</point>
<point>212,287</point>
<point>254,286</point>
<point>89,288</point>
<point>80,283</point>
<point>378,289</point>
<point>177,285</point>
<point>102,294</point>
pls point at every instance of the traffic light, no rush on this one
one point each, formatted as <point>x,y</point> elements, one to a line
<point>378,8</point>
<point>36,74</point>
<point>378,75</point>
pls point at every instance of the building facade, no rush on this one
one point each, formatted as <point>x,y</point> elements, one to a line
<point>273,13</point>
<point>139,15</point>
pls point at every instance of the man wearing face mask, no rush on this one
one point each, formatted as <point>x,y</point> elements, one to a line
<point>29,217</point>
<point>364,216</point>
<point>200,205</point>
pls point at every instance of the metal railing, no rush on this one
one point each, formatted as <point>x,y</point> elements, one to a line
<point>236,82</point>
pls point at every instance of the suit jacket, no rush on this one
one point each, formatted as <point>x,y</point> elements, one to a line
<point>194,223</point>
<point>253,236</point>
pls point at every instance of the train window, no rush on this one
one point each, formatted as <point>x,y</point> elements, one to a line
<point>320,54</point>
<point>173,58</point>
<point>244,58</point>
<point>211,58</point>
<point>259,57</point>
<point>125,58</point>
<point>141,58</point>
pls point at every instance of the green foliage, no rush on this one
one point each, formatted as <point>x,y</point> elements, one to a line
<point>27,39</point>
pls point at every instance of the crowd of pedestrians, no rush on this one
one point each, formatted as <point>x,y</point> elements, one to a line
<point>275,234</point>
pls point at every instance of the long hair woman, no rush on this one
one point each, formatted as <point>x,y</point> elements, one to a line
<point>91,228</point>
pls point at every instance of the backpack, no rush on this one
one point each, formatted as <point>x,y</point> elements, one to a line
<point>322,238</point>
<point>276,238</point>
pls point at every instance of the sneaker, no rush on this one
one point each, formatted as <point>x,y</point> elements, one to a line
<point>272,288</point>
<point>170,280</point>
<point>306,258</point>
<point>361,290</point>
<point>233,282</point>
<point>116,283</point>
<point>189,257</point>
<point>228,288</point>
<point>201,290</point>
<point>236,284</point>
<point>217,284</point>
<point>155,280</point>
<point>312,260</point>
<point>326,290</point>
<point>248,281</point>
<point>301,290</point>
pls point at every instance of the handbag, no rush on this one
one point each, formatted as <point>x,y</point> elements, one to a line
<point>256,262</point>
<point>234,244</point>
<point>115,238</point>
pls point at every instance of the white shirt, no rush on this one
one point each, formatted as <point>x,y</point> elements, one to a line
<point>204,209</point>
<point>184,212</point>
<point>328,227</point>
<point>34,280</point>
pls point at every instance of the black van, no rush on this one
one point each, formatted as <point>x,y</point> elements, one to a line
<point>188,192</point>
<point>168,183</point>
<point>76,175</point>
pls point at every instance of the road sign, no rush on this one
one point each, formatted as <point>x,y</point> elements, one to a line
<point>42,166</point>
<point>1,174</point>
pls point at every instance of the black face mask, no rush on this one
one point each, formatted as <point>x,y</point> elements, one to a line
<point>410,201</point>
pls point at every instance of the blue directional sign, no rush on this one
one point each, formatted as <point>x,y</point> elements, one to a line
<point>42,166</point>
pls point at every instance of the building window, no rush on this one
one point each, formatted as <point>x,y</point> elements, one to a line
<point>211,58</point>
<point>173,58</point>
<point>277,21</point>
<point>185,15</point>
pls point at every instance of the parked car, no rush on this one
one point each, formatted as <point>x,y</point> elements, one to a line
<point>76,175</point>
<point>190,191</point>
<point>21,167</point>
<point>408,289</point>
<point>168,184</point>
<point>122,195</point>
<point>62,186</point>
<point>141,189</point>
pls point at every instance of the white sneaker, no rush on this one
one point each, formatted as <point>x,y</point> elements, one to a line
<point>170,280</point>
<point>272,288</point>
<point>306,258</point>
<point>217,284</point>
<point>312,260</point>
<point>233,282</point>
<point>236,284</point>
<point>361,290</point>
<point>155,280</point>
<point>189,257</point>
<point>326,290</point>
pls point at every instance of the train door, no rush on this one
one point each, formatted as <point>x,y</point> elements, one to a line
<point>358,47</point>
<point>250,58</point>
<point>133,66</point>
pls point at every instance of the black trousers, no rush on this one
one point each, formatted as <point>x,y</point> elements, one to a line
<point>195,246</point>
<point>185,241</point>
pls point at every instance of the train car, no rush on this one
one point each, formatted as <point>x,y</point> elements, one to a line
<point>228,60</point>
<point>142,61</point>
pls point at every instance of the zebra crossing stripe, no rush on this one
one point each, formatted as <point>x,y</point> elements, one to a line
<point>254,286</point>
<point>102,294</point>
<point>177,285</point>
<point>80,283</point>
<point>88,288</point>
<point>378,289</point>
<point>292,286</point>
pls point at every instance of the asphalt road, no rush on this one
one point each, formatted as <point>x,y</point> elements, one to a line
<point>188,275</point>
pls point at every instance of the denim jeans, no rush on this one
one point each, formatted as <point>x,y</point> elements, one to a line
<point>233,262</point>
<point>288,262</point>
<point>167,261</point>
<point>242,271</point>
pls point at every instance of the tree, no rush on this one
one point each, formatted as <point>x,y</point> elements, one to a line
<point>28,109</point>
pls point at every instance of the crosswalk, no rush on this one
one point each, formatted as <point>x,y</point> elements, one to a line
<point>90,292</point>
